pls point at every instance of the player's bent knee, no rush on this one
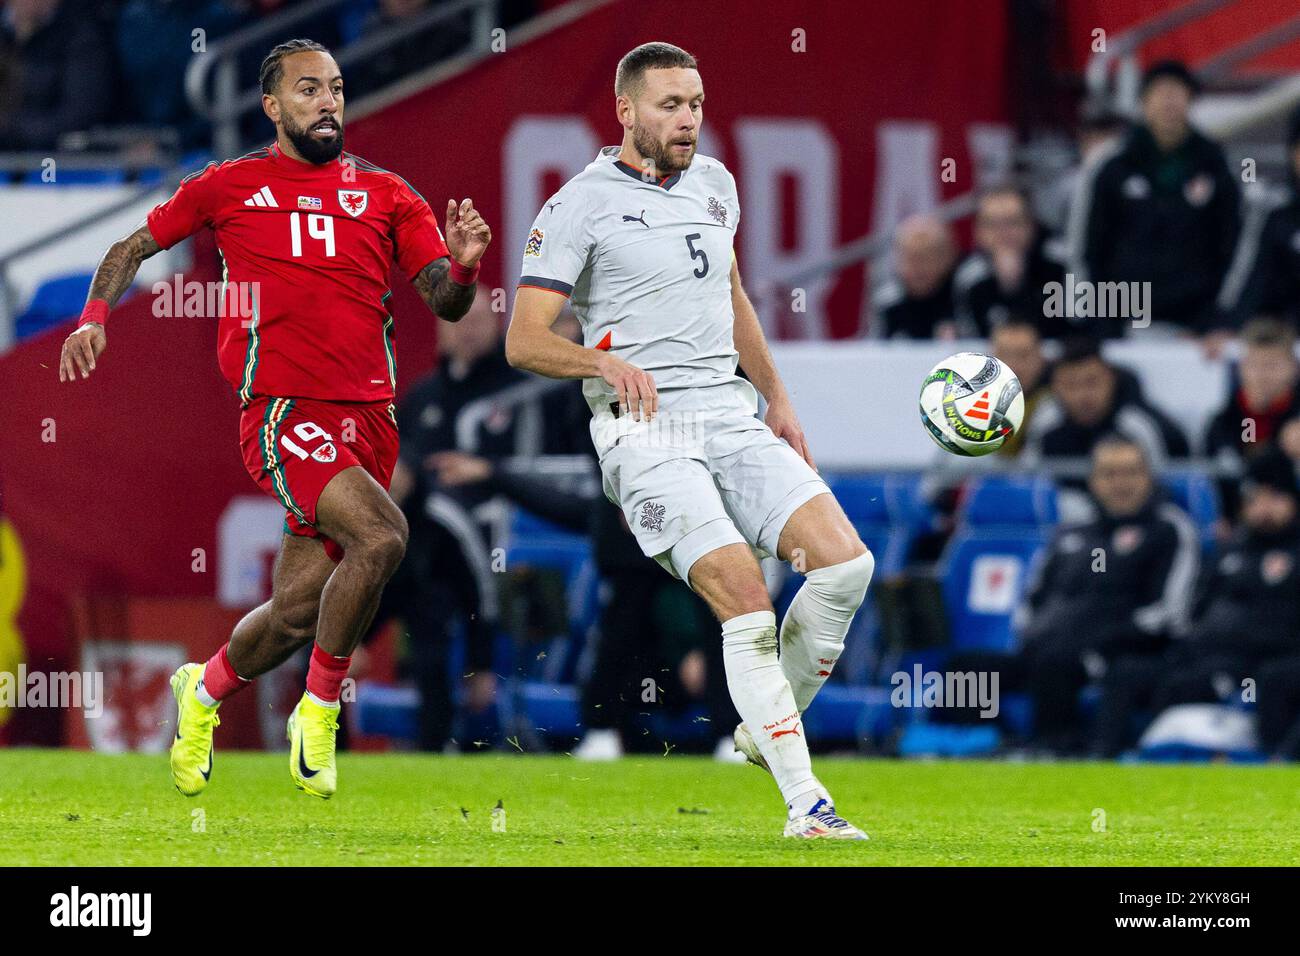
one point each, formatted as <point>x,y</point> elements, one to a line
<point>844,585</point>
<point>294,627</point>
<point>386,546</point>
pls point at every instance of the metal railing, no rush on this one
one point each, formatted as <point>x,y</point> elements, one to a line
<point>1120,57</point>
<point>1121,53</point>
<point>9,304</point>
<point>212,82</point>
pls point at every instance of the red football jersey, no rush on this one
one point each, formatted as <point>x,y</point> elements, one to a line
<point>306,252</point>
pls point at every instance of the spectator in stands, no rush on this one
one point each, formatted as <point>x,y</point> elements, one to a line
<point>1264,403</point>
<point>155,45</point>
<point>1010,271</point>
<point>1054,201</point>
<point>1273,287</point>
<point>423,47</point>
<point>445,583</point>
<point>1114,586</point>
<point>56,72</point>
<point>1164,209</point>
<point>1248,616</point>
<point>1092,398</point>
<point>650,625</point>
<point>916,301</point>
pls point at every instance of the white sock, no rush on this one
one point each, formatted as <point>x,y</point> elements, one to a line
<point>812,634</point>
<point>763,699</point>
<point>327,704</point>
<point>203,696</point>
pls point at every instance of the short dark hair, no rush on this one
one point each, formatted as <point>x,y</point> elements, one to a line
<point>272,70</point>
<point>1265,331</point>
<point>1171,70</point>
<point>1007,187</point>
<point>649,56</point>
<point>1079,348</point>
<point>1016,319</point>
<point>1113,440</point>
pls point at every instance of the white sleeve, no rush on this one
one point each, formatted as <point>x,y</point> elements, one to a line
<point>735,199</point>
<point>559,244</point>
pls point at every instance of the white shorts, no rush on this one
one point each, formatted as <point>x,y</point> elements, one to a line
<point>689,483</point>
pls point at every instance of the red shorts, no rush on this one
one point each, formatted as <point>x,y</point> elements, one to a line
<point>294,446</point>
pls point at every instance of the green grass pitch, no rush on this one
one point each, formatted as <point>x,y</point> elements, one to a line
<point>68,807</point>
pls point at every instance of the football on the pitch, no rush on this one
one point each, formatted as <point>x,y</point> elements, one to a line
<point>971,403</point>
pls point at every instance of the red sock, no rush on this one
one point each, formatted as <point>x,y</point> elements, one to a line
<point>325,675</point>
<point>219,677</point>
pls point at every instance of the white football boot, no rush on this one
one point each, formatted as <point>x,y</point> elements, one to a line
<point>600,746</point>
<point>744,742</point>
<point>822,822</point>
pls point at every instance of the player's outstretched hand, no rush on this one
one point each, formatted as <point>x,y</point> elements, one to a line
<point>467,234</point>
<point>80,350</point>
<point>635,387</point>
<point>785,424</point>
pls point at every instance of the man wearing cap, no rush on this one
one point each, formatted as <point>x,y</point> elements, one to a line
<point>1248,617</point>
<point>1164,209</point>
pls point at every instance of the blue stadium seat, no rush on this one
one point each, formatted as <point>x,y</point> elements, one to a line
<point>1010,501</point>
<point>842,713</point>
<point>888,512</point>
<point>1005,523</point>
<point>387,711</point>
<point>1196,494</point>
<point>535,542</point>
<point>984,573</point>
<point>77,177</point>
<point>552,708</point>
<point>54,301</point>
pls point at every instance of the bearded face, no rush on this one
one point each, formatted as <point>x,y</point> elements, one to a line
<point>668,155</point>
<point>319,143</point>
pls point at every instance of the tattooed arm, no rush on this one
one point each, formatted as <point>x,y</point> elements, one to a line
<point>116,271</point>
<point>467,239</point>
<point>446,299</point>
<point>113,276</point>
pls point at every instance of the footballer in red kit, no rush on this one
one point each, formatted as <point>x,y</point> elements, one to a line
<point>306,234</point>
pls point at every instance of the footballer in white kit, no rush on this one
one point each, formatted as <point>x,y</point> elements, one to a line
<point>640,242</point>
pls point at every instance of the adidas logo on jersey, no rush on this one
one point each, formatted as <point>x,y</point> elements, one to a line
<point>262,197</point>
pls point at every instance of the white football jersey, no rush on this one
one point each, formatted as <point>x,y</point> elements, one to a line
<point>646,264</point>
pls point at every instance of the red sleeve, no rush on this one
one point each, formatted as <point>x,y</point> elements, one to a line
<point>188,210</point>
<point>415,232</point>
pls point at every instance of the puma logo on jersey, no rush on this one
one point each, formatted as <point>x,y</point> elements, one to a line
<point>640,219</point>
<point>262,197</point>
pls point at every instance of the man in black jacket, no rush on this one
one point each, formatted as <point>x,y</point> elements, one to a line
<point>647,619</point>
<point>1273,287</point>
<point>56,72</point>
<point>1091,398</point>
<point>445,582</point>
<point>916,302</point>
<point>1117,585</point>
<point>1011,272</point>
<point>1164,209</point>
<point>1248,616</point>
<point>1261,406</point>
